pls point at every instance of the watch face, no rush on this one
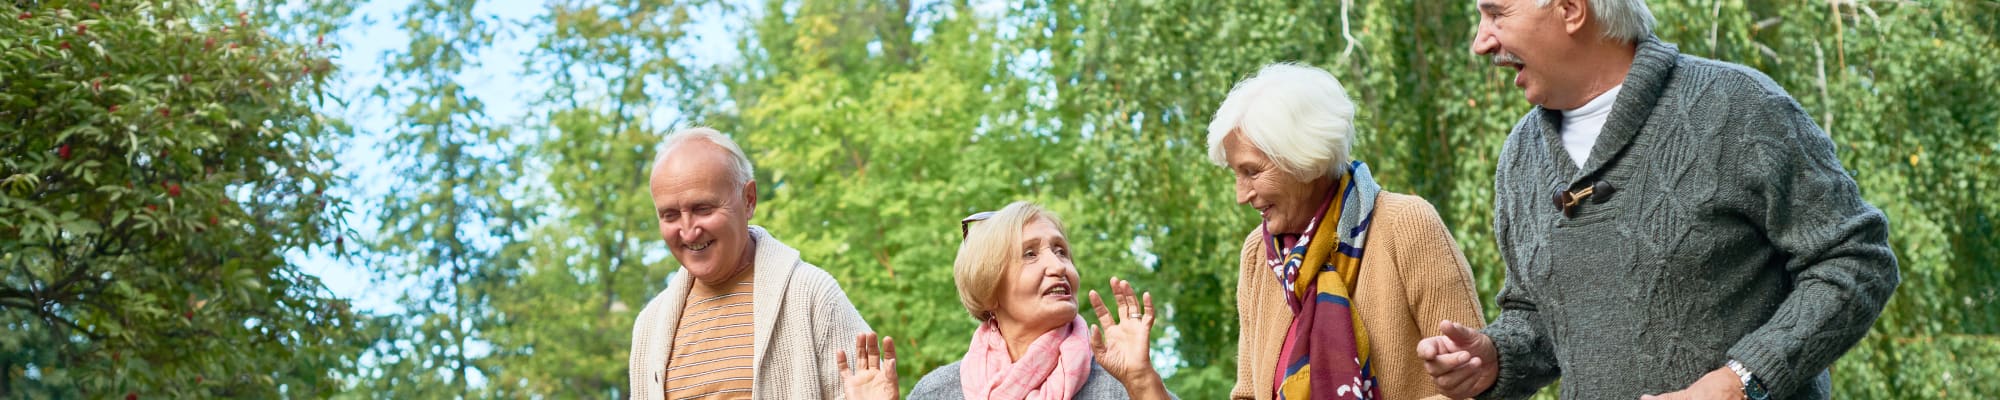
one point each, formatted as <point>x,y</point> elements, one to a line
<point>1754,390</point>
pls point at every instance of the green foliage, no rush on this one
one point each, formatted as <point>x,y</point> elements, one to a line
<point>560,325</point>
<point>870,143</point>
<point>452,167</point>
<point>160,160</point>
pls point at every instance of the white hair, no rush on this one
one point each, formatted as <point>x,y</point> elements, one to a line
<point>739,164</point>
<point>1297,115</point>
<point>1624,20</point>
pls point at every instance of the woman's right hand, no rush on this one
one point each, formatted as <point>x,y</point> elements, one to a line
<point>873,376</point>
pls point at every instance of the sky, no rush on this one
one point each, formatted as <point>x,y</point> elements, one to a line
<point>496,79</point>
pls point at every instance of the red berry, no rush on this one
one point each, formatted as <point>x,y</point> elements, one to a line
<point>26,15</point>
<point>64,46</point>
<point>114,108</point>
<point>232,46</point>
<point>321,40</point>
<point>63,152</point>
<point>132,396</point>
<point>80,29</point>
<point>214,221</point>
<point>173,190</point>
<point>188,314</point>
<point>97,86</point>
<point>208,44</point>
<point>93,6</point>
<point>150,207</point>
<point>339,240</point>
<point>197,379</point>
<point>165,112</point>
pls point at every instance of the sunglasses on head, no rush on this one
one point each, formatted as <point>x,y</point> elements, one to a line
<point>965,225</point>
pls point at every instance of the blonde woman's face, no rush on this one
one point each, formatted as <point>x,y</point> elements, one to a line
<point>1039,293</point>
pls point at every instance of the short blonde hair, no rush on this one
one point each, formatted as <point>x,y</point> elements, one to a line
<point>990,246</point>
<point>1298,115</point>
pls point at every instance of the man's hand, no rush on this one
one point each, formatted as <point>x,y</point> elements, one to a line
<point>873,376</point>
<point>1462,362</point>
<point>1718,384</point>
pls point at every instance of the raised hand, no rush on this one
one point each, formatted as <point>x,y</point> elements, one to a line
<point>873,376</point>
<point>1123,343</point>
<point>1462,361</point>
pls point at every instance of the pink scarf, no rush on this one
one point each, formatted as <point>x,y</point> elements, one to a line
<point>1052,368</point>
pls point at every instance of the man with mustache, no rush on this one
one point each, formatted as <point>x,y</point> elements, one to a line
<point>1672,226</point>
<point>744,318</point>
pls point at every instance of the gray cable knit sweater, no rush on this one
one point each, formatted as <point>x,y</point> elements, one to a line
<point>1733,233</point>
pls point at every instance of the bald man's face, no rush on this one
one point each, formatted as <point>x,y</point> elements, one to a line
<point>703,215</point>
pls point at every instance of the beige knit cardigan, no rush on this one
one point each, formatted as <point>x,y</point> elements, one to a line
<point>792,297</point>
<point>1412,276</point>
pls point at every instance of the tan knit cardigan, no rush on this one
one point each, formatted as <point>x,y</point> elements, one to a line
<point>797,300</point>
<point>1412,276</point>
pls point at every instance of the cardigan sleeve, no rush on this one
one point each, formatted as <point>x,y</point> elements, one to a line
<point>837,323</point>
<point>1436,279</point>
<point>1843,270</point>
<point>1246,317</point>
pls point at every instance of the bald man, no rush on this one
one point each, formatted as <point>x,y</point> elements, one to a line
<point>744,317</point>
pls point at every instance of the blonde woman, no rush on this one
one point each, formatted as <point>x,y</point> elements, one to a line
<point>1015,276</point>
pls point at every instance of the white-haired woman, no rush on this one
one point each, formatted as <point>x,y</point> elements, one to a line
<point>1341,279</point>
<point>1015,276</point>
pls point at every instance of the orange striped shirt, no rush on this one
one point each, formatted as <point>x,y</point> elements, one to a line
<point>714,346</point>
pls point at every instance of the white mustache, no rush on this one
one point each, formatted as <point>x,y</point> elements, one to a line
<point>1505,58</point>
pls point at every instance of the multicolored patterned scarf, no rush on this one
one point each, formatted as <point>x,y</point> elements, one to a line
<point>1325,355</point>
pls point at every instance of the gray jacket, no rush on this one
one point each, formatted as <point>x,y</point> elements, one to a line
<point>1732,233</point>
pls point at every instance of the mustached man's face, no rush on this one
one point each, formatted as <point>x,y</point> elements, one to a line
<point>1531,40</point>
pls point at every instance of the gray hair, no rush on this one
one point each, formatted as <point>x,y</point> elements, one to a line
<point>1298,115</point>
<point>740,169</point>
<point>1624,20</point>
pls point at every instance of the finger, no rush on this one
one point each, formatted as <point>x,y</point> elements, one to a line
<point>889,360</point>
<point>1126,305</point>
<point>1453,382</point>
<point>1103,314</point>
<point>840,360</point>
<point>1428,349</point>
<point>1097,341</point>
<point>871,356</point>
<point>1445,363</point>
<point>1149,310</point>
<point>1459,334</point>
<point>860,349</point>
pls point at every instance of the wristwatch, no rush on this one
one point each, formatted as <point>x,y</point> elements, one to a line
<point>1752,388</point>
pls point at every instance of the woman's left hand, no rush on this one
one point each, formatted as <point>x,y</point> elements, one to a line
<point>872,375</point>
<point>1123,346</point>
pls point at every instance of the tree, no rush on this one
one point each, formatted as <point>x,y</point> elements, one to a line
<point>444,230</point>
<point>161,160</point>
<point>561,325</point>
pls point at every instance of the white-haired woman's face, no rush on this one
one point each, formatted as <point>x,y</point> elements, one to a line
<point>1038,293</point>
<point>1286,203</point>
